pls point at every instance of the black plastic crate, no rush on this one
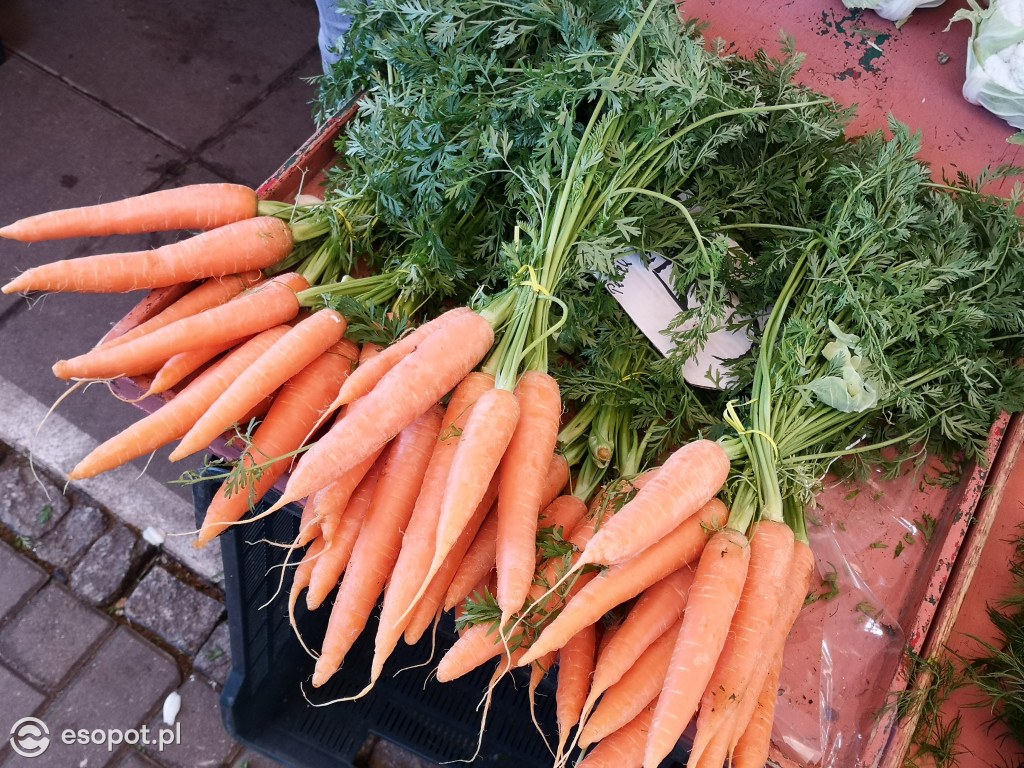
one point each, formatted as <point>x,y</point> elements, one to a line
<point>263,706</point>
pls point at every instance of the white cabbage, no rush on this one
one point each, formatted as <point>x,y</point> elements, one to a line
<point>995,58</point>
<point>893,10</point>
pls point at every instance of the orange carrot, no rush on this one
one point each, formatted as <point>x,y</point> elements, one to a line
<point>175,417</point>
<point>197,206</point>
<point>418,544</point>
<point>367,375</point>
<point>380,539</point>
<point>336,554</point>
<point>575,666</point>
<point>429,604</point>
<point>754,740</point>
<point>328,505</point>
<point>771,555</point>
<point>710,606</point>
<point>625,747</point>
<point>657,609</point>
<point>479,558</point>
<point>294,351</point>
<point>522,479</point>
<point>627,580</point>
<point>798,582</point>
<point>282,432</point>
<point>250,244</point>
<point>635,689</point>
<point>270,304</point>
<point>179,367</point>
<point>211,293</point>
<point>716,753</point>
<point>405,393</point>
<point>684,483</point>
<point>300,579</point>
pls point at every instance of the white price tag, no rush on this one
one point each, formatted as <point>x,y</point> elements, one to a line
<point>647,295</point>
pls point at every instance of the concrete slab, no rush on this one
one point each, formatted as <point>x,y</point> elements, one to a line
<point>185,70</point>
<point>19,576</point>
<point>180,614</point>
<point>140,501</point>
<point>204,742</point>
<point>248,153</point>
<point>19,700</point>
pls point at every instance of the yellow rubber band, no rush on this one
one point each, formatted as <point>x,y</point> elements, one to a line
<point>733,420</point>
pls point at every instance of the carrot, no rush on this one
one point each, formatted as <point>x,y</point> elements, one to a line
<point>179,367</point>
<point>380,539</point>
<point>754,740</point>
<point>295,350</point>
<point>522,478</point>
<point>710,606</point>
<point>418,544</point>
<point>480,448</point>
<point>249,244</point>
<point>771,554</point>
<point>300,579</point>
<point>309,525</point>
<point>429,603</point>
<point>575,666</point>
<point>657,609</point>
<point>626,580</point>
<point>479,558</point>
<point>798,582</point>
<point>367,375</point>
<point>336,554</point>
<point>419,380</point>
<point>716,753</point>
<point>211,293</point>
<point>270,304</point>
<point>328,505</point>
<point>634,690</point>
<point>197,206</point>
<point>625,747</point>
<point>538,670</point>
<point>684,483</point>
<point>282,432</point>
<point>174,418</point>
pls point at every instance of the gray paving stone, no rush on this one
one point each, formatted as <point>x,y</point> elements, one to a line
<point>214,658</point>
<point>50,634</point>
<point>249,153</point>
<point>30,504</point>
<point>19,577</point>
<point>180,614</point>
<point>208,61</point>
<point>119,688</point>
<point>251,759</point>
<point>204,742</point>
<point>19,700</point>
<point>101,575</point>
<point>62,546</point>
<point>134,759</point>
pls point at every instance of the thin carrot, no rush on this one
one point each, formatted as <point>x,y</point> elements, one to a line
<point>418,544</point>
<point>625,747</point>
<point>282,432</point>
<point>175,417</point>
<point>771,555</point>
<point>336,554</point>
<point>430,603</point>
<point>712,602</point>
<point>522,477</point>
<point>328,505</point>
<point>182,365</point>
<point>657,609</point>
<point>755,737</point>
<point>197,206</point>
<point>368,374</point>
<point>716,753</point>
<point>270,304</point>
<point>300,579</point>
<point>479,558</point>
<point>627,580</point>
<point>686,481</point>
<point>211,293</point>
<point>538,671</point>
<point>303,344</point>
<point>575,667</point>
<point>634,690</point>
<point>405,393</point>
<point>380,539</point>
<point>250,244</point>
